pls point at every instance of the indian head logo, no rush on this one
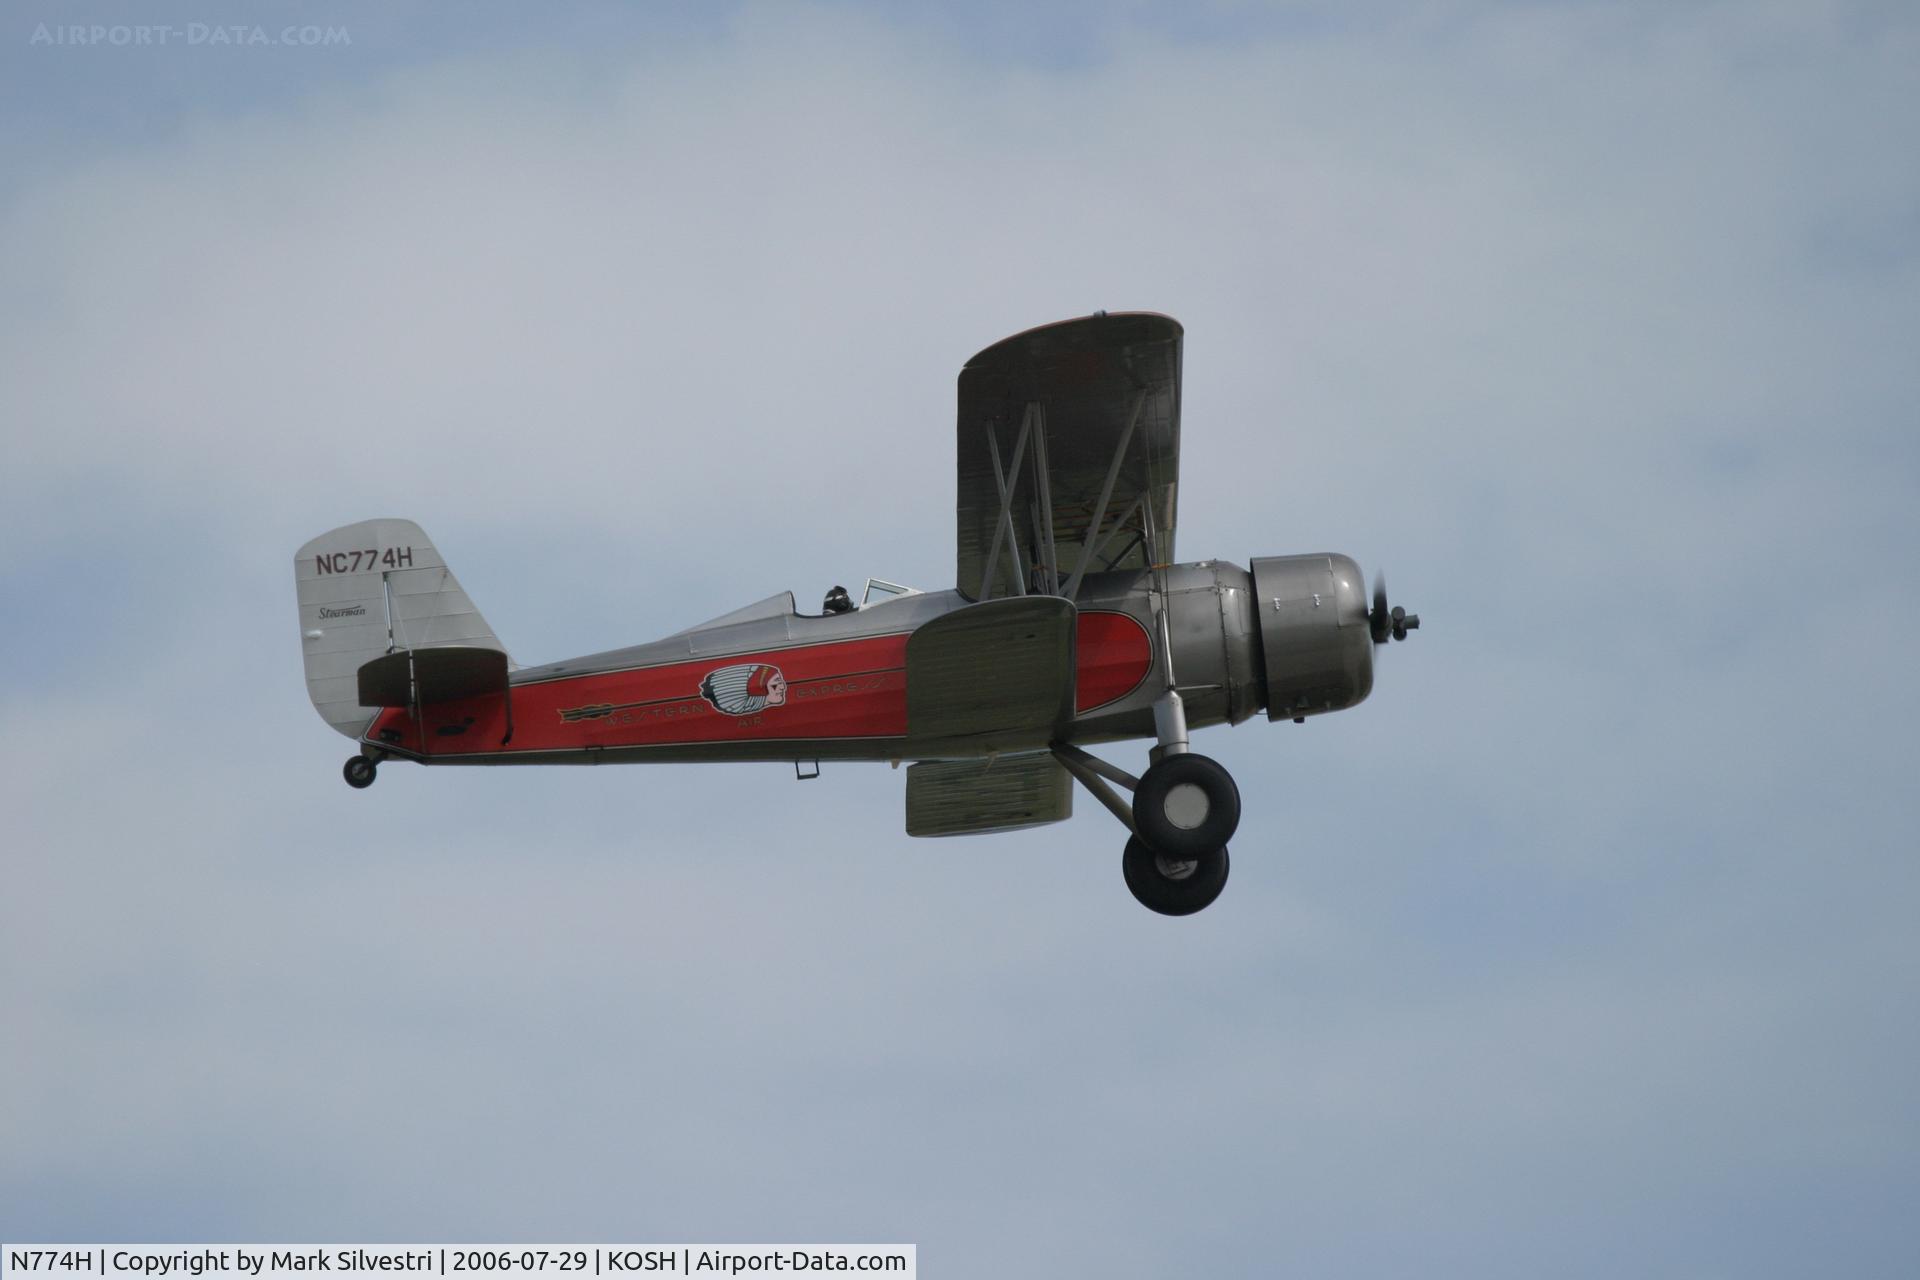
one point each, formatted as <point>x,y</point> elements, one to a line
<point>745,688</point>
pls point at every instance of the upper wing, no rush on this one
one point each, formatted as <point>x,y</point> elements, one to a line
<point>1069,439</point>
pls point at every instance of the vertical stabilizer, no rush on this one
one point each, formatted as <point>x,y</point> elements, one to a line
<point>370,589</point>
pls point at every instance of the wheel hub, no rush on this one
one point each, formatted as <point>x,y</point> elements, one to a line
<point>1187,806</point>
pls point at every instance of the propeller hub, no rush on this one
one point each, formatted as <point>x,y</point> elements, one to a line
<point>1385,623</point>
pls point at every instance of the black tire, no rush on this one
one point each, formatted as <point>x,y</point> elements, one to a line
<point>1205,806</point>
<point>359,772</point>
<point>1171,886</point>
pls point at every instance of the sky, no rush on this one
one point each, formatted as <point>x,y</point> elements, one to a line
<point>1584,947</point>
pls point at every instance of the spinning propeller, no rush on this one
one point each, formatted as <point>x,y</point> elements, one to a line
<point>1384,622</point>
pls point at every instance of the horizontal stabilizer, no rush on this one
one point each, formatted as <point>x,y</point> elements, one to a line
<point>424,677</point>
<point>967,797</point>
<point>996,676</point>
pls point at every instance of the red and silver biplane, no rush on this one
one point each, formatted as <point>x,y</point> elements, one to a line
<point>1068,625</point>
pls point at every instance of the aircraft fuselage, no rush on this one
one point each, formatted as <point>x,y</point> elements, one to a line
<point>766,683</point>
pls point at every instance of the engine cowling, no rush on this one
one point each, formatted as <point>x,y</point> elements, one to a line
<point>1315,642</point>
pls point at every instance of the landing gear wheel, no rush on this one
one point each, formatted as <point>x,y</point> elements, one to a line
<point>1173,886</point>
<point>359,772</point>
<point>1186,805</point>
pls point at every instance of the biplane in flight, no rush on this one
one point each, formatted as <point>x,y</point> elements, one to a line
<point>1068,625</point>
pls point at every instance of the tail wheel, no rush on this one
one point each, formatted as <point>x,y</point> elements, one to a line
<point>1186,805</point>
<point>1173,886</point>
<point>359,772</point>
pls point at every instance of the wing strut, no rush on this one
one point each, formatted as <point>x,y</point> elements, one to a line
<point>1032,442</point>
<point>1006,484</point>
<point>1093,539</point>
<point>1169,711</point>
<point>1125,526</point>
<point>1043,482</point>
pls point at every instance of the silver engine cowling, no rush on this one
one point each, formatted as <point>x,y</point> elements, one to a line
<point>1315,641</point>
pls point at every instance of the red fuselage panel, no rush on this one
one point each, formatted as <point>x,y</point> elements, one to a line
<point>1115,655</point>
<point>846,690</point>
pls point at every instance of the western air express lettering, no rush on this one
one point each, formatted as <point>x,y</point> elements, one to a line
<point>365,560</point>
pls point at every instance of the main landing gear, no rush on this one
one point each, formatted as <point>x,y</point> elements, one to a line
<point>1185,808</point>
<point>359,772</point>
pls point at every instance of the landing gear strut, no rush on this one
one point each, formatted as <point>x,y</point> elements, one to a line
<point>359,772</point>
